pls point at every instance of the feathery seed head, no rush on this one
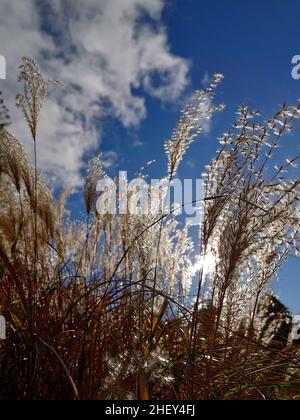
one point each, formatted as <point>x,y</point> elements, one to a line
<point>34,93</point>
<point>191,124</point>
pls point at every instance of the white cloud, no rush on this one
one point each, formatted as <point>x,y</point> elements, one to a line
<point>103,50</point>
<point>110,159</point>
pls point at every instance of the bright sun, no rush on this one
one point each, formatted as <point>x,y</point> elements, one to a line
<point>207,262</point>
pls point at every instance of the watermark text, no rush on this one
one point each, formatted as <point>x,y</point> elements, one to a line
<point>137,197</point>
<point>296,68</point>
<point>2,328</point>
<point>2,67</point>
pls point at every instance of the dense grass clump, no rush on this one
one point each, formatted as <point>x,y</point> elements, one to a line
<point>106,309</point>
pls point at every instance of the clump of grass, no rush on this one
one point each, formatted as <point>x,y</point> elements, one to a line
<point>101,309</point>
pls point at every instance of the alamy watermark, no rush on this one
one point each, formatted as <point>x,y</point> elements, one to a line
<point>2,328</point>
<point>137,197</point>
<point>296,328</point>
<point>2,67</point>
<point>296,68</point>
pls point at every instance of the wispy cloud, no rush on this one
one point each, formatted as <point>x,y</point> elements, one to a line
<point>109,159</point>
<point>103,50</point>
<point>190,164</point>
<point>137,143</point>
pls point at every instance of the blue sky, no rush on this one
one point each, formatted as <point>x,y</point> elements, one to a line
<point>108,78</point>
<point>252,47</point>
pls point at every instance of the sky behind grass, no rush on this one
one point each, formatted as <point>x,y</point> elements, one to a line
<point>252,47</point>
